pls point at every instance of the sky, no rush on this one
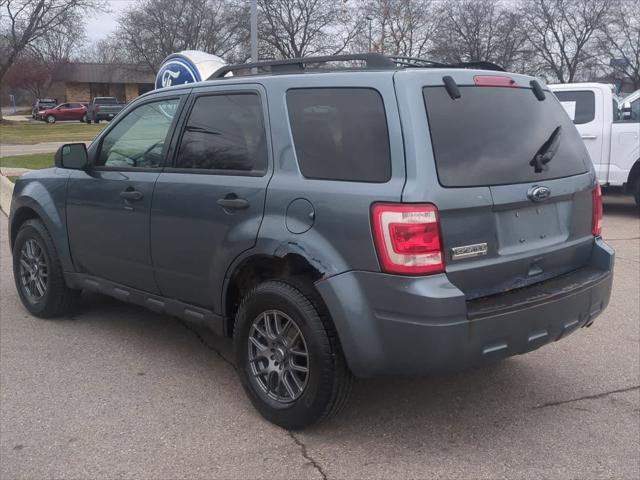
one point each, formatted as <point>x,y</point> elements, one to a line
<point>102,24</point>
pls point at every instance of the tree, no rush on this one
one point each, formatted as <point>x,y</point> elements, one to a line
<point>479,30</point>
<point>23,23</point>
<point>563,33</point>
<point>298,28</point>
<point>151,31</point>
<point>620,42</point>
<point>401,27</point>
<point>29,74</point>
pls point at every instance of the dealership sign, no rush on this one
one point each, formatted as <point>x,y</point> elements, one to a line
<point>189,66</point>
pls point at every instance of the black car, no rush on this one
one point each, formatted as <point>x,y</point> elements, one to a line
<point>42,104</point>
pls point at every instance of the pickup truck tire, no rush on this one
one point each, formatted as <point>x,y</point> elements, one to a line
<point>38,273</point>
<point>636,191</point>
<point>300,341</point>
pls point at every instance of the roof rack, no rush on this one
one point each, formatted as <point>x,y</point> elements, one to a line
<point>372,60</point>
<point>296,65</point>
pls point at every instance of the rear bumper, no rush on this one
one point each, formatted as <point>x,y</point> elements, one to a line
<point>391,324</point>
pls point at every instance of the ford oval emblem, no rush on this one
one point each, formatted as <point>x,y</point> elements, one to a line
<point>538,193</point>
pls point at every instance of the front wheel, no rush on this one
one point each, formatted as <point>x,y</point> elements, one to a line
<point>288,355</point>
<point>51,119</point>
<point>38,274</point>
<point>636,191</point>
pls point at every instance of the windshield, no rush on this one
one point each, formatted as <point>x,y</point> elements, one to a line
<point>493,136</point>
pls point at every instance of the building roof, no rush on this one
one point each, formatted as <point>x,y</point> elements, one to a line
<point>102,73</point>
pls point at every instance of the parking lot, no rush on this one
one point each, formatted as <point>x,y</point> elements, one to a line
<point>121,392</point>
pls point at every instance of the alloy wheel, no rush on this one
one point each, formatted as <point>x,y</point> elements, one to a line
<point>34,271</point>
<point>278,356</point>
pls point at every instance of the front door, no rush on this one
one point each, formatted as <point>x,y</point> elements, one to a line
<point>207,208</point>
<point>108,205</point>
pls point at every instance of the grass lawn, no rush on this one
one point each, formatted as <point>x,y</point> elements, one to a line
<point>33,161</point>
<point>19,133</point>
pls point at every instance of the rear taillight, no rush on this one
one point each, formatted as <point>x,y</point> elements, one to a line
<point>407,238</point>
<point>494,81</point>
<point>596,221</point>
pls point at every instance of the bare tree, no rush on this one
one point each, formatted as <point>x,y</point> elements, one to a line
<point>23,23</point>
<point>619,45</point>
<point>298,28</point>
<point>562,33</point>
<point>479,30</point>
<point>156,28</point>
<point>399,27</point>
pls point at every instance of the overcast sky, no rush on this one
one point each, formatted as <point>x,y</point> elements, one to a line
<point>101,25</point>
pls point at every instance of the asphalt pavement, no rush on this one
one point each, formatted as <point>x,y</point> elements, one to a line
<point>121,392</point>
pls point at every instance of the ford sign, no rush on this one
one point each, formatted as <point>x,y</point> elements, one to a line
<point>185,67</point>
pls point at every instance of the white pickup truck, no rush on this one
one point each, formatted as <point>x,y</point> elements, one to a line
<point>610,129</point>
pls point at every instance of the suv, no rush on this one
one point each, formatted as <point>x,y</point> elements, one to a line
<point>363,222</point>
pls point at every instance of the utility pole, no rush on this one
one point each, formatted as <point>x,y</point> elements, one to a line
<point>370,19</point>
<point>254,33</point>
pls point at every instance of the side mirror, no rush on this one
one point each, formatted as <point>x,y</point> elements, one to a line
<point>72,155</point>
<point>626,111</point>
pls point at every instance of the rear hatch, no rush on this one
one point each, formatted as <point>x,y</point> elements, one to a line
<point>511,178</point>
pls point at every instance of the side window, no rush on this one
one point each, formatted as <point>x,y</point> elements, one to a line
<point>224,132</point>
<point>136,141</point>
<point>340,134</point>
<point>580,105</point>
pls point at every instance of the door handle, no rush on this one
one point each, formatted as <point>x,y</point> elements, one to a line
<point>231,201</point>
<point>131,195</point>
<point>589,137</point>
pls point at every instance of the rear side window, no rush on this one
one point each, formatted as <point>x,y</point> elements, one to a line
<point>490,136</point>
<point>224,132</point>
<point>581,105</point>
<point>340,134</point>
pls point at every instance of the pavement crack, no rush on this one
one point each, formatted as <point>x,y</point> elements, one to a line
<point>587,397</point>
<point>207,345</point>
<point>307,457</point>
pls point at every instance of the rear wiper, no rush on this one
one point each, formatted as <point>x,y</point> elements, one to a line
<point>546,152</point>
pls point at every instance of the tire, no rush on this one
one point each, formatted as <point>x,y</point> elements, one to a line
<point>636,191</point>
<point>51,119</point>
<point>327,383</point>
<point>57,299</point>
<point>96,121</point>
<point>84,119</point>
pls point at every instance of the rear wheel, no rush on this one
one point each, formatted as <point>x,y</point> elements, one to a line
<point>51,119</point>
<point>636,191</point>
<point>38,274</point>
<point>84,119</point>
<point>288,355</point>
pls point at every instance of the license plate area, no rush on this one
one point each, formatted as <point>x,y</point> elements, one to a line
<point>531,227</point>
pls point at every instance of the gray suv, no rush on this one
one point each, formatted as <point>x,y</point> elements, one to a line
<point>399,217</point>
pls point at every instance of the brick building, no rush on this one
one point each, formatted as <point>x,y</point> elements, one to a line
<point>83,81</point>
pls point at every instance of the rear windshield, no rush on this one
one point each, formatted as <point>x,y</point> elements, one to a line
<point>105,101</point>
<point>490,135</point>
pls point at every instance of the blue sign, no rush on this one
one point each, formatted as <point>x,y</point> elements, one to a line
<point>176,70</point>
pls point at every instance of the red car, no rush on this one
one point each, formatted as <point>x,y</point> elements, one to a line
<point>64,111</point>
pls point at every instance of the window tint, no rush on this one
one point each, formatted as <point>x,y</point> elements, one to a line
<point>136,141</point>
<point>75,105</point>
<point>224,132</point>
<point>490,135</point>
<point>579,105</point>
<point>635,111</point>
<point>340,134</point>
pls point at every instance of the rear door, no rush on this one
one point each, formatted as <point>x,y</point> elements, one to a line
<point>508,216</point>
<point>208,205</point>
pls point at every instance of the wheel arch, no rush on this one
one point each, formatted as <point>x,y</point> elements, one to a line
<point>255,268</point>
<point>634,173</point>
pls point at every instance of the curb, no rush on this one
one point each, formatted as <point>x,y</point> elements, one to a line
<point>6,192</point>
